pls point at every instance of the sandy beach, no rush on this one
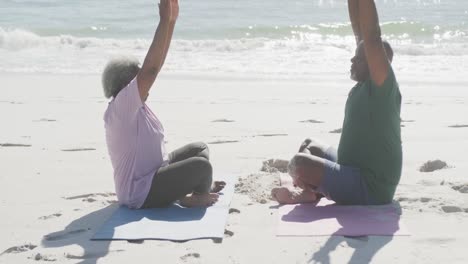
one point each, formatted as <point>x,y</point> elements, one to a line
<point>57,188</point>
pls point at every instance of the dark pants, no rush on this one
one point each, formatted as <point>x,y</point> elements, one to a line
<point>189,171</point>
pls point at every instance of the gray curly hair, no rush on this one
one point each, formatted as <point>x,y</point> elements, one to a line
<point>118,73</point>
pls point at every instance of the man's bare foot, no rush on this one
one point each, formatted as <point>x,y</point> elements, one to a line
<point>217,186</point>
<point>285,196</point>
<point>199,200</point>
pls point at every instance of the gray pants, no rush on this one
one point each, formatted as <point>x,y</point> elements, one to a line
<point>189,171</point>
<point>343,184</point>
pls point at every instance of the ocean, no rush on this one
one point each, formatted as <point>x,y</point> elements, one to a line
<point>262,38</point>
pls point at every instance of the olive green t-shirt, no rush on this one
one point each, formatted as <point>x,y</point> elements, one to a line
<point>371,137</point>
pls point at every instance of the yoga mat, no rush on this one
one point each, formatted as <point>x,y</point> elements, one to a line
<point>172,223</point>
<point>326,218</point>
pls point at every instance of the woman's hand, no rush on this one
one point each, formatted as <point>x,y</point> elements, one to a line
<point>165,10</point>
<point>169,10</point>
<point>174,10</point>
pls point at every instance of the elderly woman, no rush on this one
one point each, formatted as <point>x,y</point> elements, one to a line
<point>145,174</point>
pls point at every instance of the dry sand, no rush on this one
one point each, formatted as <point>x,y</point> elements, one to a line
<point>56,178</point>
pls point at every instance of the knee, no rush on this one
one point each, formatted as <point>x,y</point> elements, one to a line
<point>296,162</point>
<point>201,165</point>
<point>203,150</point>
<point>200,145</point>
<point>315,147</point>
<point>316,151</point>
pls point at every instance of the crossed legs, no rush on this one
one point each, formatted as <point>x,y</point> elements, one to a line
<point>187,178</point>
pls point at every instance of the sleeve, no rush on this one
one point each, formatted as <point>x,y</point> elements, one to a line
<point>126,104</point>
<point>385,104</point>
<point>388,90</point>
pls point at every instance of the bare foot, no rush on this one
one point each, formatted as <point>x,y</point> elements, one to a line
<point>285,196</point>
<point>199,200</point>
<point>217,186</point>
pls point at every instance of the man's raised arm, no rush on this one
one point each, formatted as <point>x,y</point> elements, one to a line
<point>353,8</point>
<point>369,29</point>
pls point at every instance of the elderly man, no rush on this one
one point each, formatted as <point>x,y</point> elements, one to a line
<point>367,168</point>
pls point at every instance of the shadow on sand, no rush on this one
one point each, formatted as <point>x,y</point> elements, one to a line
<point>365,247</point>
<point>79,232</point>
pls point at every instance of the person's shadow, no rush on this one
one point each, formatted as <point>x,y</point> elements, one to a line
<point>351,221</point>
<point>365,247</point>
<point>81,231</point>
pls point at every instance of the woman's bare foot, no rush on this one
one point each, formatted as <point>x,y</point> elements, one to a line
<point>285,196</point>
<point>199,200</point>
<point>217,186</point>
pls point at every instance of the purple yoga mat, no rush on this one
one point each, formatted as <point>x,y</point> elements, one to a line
<point>327,218</point>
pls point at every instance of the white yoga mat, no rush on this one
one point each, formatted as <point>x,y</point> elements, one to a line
<point>173,223</point>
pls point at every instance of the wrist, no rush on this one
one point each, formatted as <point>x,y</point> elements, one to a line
<point>164,20</point>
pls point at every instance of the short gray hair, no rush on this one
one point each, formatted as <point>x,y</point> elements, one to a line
<point>119,72</point>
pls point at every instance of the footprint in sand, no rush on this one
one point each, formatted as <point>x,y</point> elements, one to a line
<point>271,135</point>
<point>61,235</point>
<point>433,165</point>
<point>93,255</point>
<point>425,199</point>
<point>451,209</point>
<point>50,216</point>
<point>458,126</point>
<point>222,121</point>
<point>234,211</point>
<point>463,188</point>
<point>89,195</point>
<point>90,255</point>
<point>78,149</point>
<point>14,145</point>
<point>94,197</point>
<point>312,121</point>
<point>45,120</point>
<point>228,233</point>
<point>407,199</point>
<point>336,131</point>
<point>42,257</point>
<point>19,249</point>
<point>223,142</point>
<point>189,256</point>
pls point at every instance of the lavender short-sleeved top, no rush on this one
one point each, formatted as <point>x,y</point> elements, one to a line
<point>135,141</point>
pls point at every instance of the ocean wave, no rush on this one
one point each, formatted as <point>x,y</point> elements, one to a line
<point>25,51</point>
<point>416,31</point>
<point>413,32</point>
<point>19,39</point>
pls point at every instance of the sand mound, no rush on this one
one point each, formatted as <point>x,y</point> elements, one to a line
<point>275,165</point>
<point>258,186</point>
<point>433,165</point>
<point>463,188</point>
